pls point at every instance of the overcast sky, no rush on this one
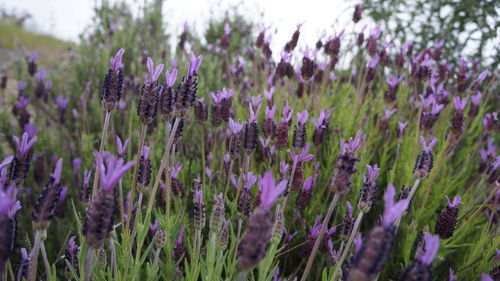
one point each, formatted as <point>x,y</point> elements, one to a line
<point>67,18</point>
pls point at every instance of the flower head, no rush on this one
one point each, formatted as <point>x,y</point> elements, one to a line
<point>61,102</point>
<point>431,248</point>
<point>111,173</point>
<point>453,277</point>
<point>269,93</point>
<point>116,62</point>
<point>459,103</point>
<point>323,117</point>
<point>402,126</point>
<point>194,64</point>
<point>303,156</point>
<point>253,114</point>
<point>270,191</point>
<point>476,99</point>
<point>455,203</point>
<point>154,73</point>
<point>171,76</point>
<point>121,147</point>
<point>392,209</point>
<point>372,172</point>
<point>270,111</point>
<point>176,169</point>
<point>235,126</point>
<point>389,112</point>
<point>428,147</point>
<point>352,144</point>
<point>25,144</point>
<point>302,117</point>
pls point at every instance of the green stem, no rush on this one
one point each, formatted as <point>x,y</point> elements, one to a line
<point>134,181</point>
<point>101,149</point>
<point>34,255</point>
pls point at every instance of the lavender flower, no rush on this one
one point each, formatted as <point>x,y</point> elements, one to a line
<point>445,224</point>
<point>177,188</point>
<point>48,199</point>
<point>369,190</point>
<point>113,83</point>
<point>300,133</point>
<point>20,164</point>
<point>345,163</point>
<point>251,132</point>
<point>150,94</point>
<point>31,60</point>
<point>180,251</point>
<point>168,94</point>
<point>369,261</point>
<point>122,147</point>
<point>357,13</point>
<point>393,81</point>
<point>425,160</point>
<point>321,125</point>
<point>186,91</point>
<point>101,212</point>
<point>252,248</point>
<point>8,225</point>
<point>144,170</point>
<point>198,210</point>
<point>71,256</point>
<point>421,269</point>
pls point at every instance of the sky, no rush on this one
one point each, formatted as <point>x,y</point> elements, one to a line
<point>67,18</point>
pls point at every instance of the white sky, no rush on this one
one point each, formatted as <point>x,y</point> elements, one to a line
<point>67,18</point>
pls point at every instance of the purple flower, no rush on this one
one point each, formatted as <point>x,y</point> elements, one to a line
<point>428,147</point>
<point>227,93</point>
<point>178,241</point>
<point>460,103</point>
<point>269,94</point>
<point>302,117</point>
<point>375,33</point>
<point>145,152</point>
<point>431,248</point>
<point>121,147</point>
<point>256,100</point>
<point>287,113</point>
<point>358,243</point>
<point>389,112</point>
<point>392,209</point>
<point>23,102</point>
<point>249,181</point>
<point>61,102</point>
<point>352,144</point>
<point>270,111</point>
<point>57,172</point>
<point>31,130</point>
<point>63,193</point>
<point>170,77</point>
<point>402,126</point>
<point>41,75</point>
<point>77,162</point>
<point>116,62</point>
<point>21,85</point>
<point>25,144</point>
<point>393,80</point>
<point>303,157</point>
<point>253,114</point>
<point>374,62</point>
<point>234,126</point>
<point>453,277</point>
<point>153,227</point>
<point>176,169</point>
<point>111,173</point>
<point>153,73</point>
<point>194,64</point>
<point>323,117</point>
<point>308,183</point>
<point>217,97</point>
<point>486,277</point>
<point>372,172</point>
<point>5,203</point>
<point>476,99</point>
<point>270,191</point>
<point>227,28</point>
<point>455,203</point>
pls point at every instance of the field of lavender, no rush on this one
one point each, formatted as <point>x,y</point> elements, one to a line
<point>354,158</point>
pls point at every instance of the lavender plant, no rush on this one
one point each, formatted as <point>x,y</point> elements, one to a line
<point>176,199</point>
